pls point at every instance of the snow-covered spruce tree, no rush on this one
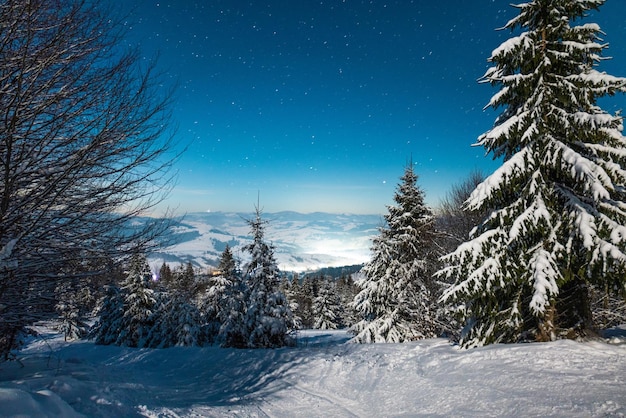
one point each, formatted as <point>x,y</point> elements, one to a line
<point>347,290</point>
<point>140,304</point>
<point>183,280</point>
<point>162,332</point>
<point>327,308</point>
<point>166,276</point>
<point>558,211</point>
<point>189,331</point>
<point>110,316</point>
<point>214,300</point>
<point>304,294</point>
<point>175,321</point>
<point>178,322</point>
<point>232,315</point>
<point>396,297</point>
<point>269,322</point>
<point>290,288</point>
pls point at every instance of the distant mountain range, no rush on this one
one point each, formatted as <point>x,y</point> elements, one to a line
<point>303,242</point>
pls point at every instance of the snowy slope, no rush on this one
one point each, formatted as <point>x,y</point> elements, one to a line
<point>302,241</point>
<point>322,377</point>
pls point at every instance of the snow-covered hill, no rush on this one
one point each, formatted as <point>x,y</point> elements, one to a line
<point>323,377</point>
<point>302,241</point>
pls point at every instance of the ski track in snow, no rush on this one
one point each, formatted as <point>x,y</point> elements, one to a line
<point>324,376</point>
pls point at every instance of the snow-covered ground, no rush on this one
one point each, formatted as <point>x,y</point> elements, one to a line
<point>302,242</point>
<point>322,377</point>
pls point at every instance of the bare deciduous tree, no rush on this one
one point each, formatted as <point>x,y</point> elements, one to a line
<point>455,222</point>
<point>84,147</point>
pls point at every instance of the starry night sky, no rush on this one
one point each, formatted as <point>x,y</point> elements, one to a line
<point>319,105</point>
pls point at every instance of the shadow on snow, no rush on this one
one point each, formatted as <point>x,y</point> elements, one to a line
<point>113,381</point>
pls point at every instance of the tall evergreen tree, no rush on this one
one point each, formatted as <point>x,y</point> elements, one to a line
<point>558,200</point>
<point>396,294</point>
<point>269,321</point>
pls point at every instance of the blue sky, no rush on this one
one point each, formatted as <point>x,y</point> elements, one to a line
<point>319,105</point>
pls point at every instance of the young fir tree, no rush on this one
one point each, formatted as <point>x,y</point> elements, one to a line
<point>396,297</point>
<point>269,321</point>
<point>558,211</point>
<point>166,277</point>
<point>327,308</point>
<point>186,321</point>
<point>232,315</point>
<point>184,280</point>
<point>110,316</point>
<point>347,290</point>
<point>162,332</point>
<point>304,295</point>
<point>291,288</point>
<point>176,322</point>
<point>140,305</point>
<point>215,298</point>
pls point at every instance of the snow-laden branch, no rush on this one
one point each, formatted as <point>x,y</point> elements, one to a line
<point>544,276</point>
<point>522,41</point>
<point>510,169</point>
<point>592,176</point>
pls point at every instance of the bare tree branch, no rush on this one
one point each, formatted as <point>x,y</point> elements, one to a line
<point>85,148</point>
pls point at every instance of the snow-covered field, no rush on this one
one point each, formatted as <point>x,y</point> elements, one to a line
<point>322,377</point>
<point>301,241</point>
